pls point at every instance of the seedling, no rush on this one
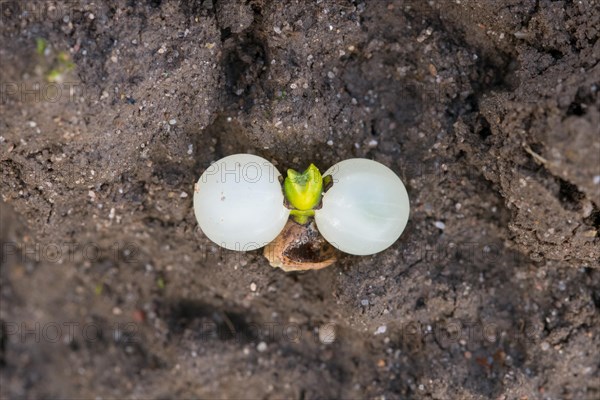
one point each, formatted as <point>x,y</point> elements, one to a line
<point>359,207</point>
<point>58,66</point>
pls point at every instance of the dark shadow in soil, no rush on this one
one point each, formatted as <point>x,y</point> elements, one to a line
<point>209,321</point>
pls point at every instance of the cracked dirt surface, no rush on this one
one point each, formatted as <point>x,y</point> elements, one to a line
<point>489,111</point>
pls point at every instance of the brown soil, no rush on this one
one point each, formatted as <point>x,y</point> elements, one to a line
<point>488,110</point>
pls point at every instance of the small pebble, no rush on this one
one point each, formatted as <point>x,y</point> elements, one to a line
<point>253,287</point>
<point>432,69</point>
<point>262,347</point>
<point>330,143</point>
<point>172,121</point>
<point>327,333</point>
<point>440,225</point>
<point>139,316</point>
<point>545,346</point>
<point>364,302</point>
<point>381,329</point>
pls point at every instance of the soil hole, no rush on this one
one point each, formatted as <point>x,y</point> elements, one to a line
<point>569,196</point>
<point>209,321</point>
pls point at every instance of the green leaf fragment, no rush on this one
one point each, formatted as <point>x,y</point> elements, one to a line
<point>40,46</point>
<point>160,282</point>
<point>64,59</point>
<point>98,289</point>
<point>54,76</point>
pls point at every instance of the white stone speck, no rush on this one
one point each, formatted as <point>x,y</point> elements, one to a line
<point>262,347</point>
<point>381,329</point>
<point>330,143</point>
<point>253,287</point>
<point>327,333</point>
<point>440,225</point>
<point>545,346</point>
